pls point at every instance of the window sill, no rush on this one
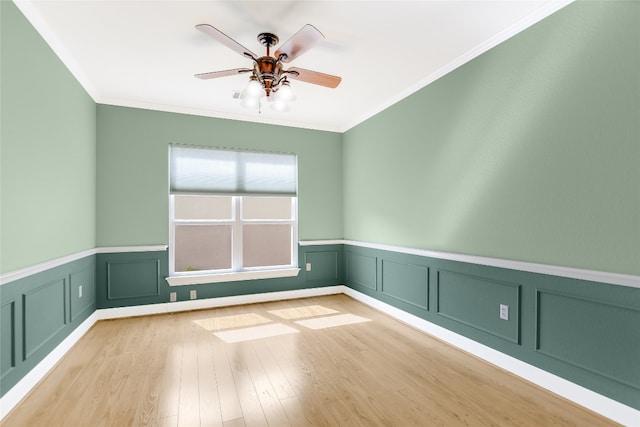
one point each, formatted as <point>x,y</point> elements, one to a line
<point>231,277</point>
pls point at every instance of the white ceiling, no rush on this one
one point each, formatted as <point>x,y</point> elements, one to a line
<point>144,53</point>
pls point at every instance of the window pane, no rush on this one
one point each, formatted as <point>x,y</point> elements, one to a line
<point>202,207</point>
<point>266,208</point>
<point>202,247</point>
<point>265,245</point>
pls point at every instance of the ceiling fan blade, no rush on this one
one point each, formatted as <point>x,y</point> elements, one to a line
<point>225,40</point>
<point>224,73</point>
<point>299,43</point>
<point>314,77</point>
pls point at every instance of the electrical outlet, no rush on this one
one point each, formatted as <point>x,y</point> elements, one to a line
<point>308,266</point>
<point>504,312</point>
<point>80,291</point>
<point>173,297</point>
<point>193,294</point>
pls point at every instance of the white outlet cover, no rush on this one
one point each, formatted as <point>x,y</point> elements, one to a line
<point>504,312</point>
<point>308,266</point>
<point>193,294</point>
<point>80,291</point>
<point>173,297</point>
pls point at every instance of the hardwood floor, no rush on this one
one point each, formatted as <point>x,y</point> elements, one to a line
<point>169,370</point>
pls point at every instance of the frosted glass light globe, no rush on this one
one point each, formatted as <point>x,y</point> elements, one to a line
<point>254,88</point>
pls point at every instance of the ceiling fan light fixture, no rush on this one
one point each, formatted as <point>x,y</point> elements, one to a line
<point>254,88</point>
<point>285,92</point>
<point>249,101</point>
<point>280,105</point>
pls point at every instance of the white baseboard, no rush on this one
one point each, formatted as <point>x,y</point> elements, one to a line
<point>602,405</point>
<point>591,400</point>
<point>199,304</point>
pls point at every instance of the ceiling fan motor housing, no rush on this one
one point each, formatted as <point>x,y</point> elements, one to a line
<point>267,70</point>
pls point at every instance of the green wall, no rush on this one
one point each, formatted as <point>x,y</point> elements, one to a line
<point>47,154</point>
<point>132,170</point>
<point>529,152</point>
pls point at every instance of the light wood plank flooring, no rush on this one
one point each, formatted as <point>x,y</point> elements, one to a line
<point>171,370</point>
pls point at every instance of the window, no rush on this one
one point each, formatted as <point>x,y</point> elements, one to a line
<point>233,215</point>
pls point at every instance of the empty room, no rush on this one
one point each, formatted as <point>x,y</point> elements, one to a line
<point>319,213</point>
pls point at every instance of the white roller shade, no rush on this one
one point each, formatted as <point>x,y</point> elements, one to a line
<point>195,170</point>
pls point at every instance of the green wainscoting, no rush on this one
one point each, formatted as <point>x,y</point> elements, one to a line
<point>38,312</point>
<point>561,314</point>
<point>361,270</point>
<point>476,301</point>
<point>132,278</point>
<point>325,265</point>
<point>44,314</point>
<point>8,345</point>
<point>405,282</point>
<point>83,291</point>
<point>583,331</point>
<point>138,278</point>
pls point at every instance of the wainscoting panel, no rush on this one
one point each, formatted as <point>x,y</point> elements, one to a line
<point>361,269</point>
<point>8,350</point>
<point>44,315</point>
<point>475,301</point>
<point>405,282</point>
<point>132,279</point>
<point>611,347</point>
<point>39,311</point>
<point>324,266</point>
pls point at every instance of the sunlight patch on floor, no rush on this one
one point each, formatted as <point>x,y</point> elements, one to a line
<point>255,332</point>
<point>252,326</point>
<point>228,322</point>
<point>302,312</point>
<point>332,321</point>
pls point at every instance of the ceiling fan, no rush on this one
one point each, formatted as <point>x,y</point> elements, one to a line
<point>268,76</point>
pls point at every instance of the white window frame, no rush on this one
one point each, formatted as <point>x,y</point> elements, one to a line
<point>238,237</point>
<point>195,178</point>
<point>237,271</point>
<point>237,223</point>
